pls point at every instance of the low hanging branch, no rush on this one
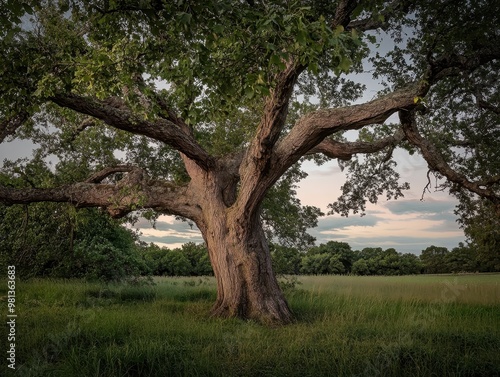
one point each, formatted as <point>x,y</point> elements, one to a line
<point>437,163</point>
<point>132,192</point>
<point>103,174</point>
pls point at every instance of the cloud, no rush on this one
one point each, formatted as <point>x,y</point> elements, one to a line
<point>338,222</point>
<point>414,206</point>
<point>172,240</point>
<point>169,232</point>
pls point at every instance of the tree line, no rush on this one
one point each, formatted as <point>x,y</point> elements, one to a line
<point>333,257</point>
<point>339,258</point>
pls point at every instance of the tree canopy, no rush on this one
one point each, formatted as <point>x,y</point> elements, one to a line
<point>206,109</point>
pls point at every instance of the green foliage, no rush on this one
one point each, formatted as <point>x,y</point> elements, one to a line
<point>213,63</point>
<point>462,259</point>
<point>175,263</point>
<point>286,260</point>
<point>189,260</point>
<point>197,254</point>
<point>482,226</point>
<point>285,220</point>
<point>434,259</point>
<point>54,239</point>
<point>375,261</point>
<point>342,250</point>
<point>103,250</point>
<point>360,267</point>
<point>47,239</point>
<point>382,178</point>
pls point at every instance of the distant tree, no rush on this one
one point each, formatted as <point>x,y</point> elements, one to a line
<point>336,266</point>
<point>321,264</point>
<point>152,255</point>
<point>316,264</point>
<point>175,263</point>
<point>360,267</point>
<point>482,227</point>
<point>410,264</point>
<point>388,263</point>
<point>434,259</point>
<point>197,254</point>
<point>462,259</point>
<point>341,249</point>
<point>286,260</point>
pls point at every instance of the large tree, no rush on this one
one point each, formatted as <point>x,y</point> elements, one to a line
<point>200,109</point>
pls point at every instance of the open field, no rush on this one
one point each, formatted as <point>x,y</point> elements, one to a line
<point>346,326</point>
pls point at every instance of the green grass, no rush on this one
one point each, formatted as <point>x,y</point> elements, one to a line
<point>346,326</point>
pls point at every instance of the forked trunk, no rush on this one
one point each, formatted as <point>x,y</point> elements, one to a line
<point>246,285</point>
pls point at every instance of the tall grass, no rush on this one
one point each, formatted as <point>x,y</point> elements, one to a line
<point>346,326</point>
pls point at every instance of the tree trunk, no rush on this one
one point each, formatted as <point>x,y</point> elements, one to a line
<point>246,285</point>
<point>239,253</point>
<point>240,257</point>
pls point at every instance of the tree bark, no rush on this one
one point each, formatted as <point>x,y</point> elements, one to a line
<point>246,285</point>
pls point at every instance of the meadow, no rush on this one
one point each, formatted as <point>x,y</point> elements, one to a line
<point>426,325</point>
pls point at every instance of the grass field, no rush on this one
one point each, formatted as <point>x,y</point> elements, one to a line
<point>346,326</point>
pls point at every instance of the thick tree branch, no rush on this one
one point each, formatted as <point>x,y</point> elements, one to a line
<point>451,64</point>
<point>345,150</point>
<point>116,115</point>
<point>343,12</point>
<point>134,191</point>
<point>256,163</point>
<point>311,129</point>
<point>436,161</point>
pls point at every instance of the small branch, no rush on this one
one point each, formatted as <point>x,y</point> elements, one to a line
<point>101,175</point>
<point>489,182</point>
<point>482,104</point>
<point>370,23</point>
<point>171,115</point>
<point>427,186</point>
<point>343,12</point>
<point>345,151</point>
<point>450,64</point>
<point>89,122</point>
<point>10,125</point>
